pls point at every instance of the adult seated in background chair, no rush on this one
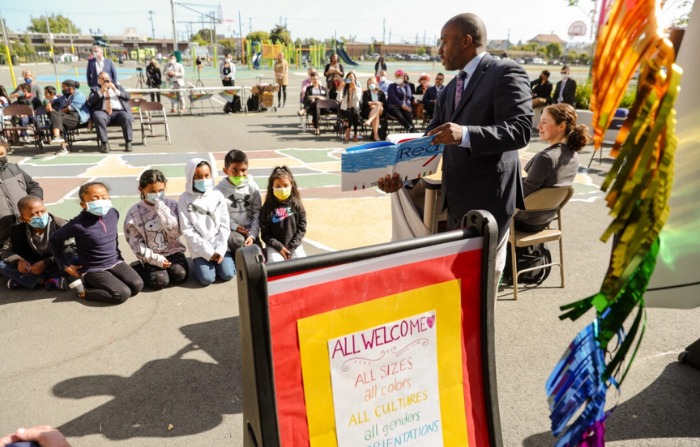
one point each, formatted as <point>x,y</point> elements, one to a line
<point>109,105</point>
<point>373,104</point>
<point>30,80</point>
<point>400,102</point>
<point>431,95</point>
<point>304,84</point>
<point>541,96</point>
<point>97,64</point>
<point>383,83</point>
<point>423,84</point>
<point>350,106</point>
<point>555,166</point>
<point>314,92</point>
<point>67,113</point>
<point>4,97</point>
<point>335,91</point>
<point>565,90</point>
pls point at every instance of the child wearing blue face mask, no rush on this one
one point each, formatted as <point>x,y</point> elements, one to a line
<point>204,221</point>
<point>105,275</point>
<point>153,233</point>
<point>26,258</point>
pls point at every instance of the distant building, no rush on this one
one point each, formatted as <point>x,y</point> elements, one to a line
<point>545,39</point>
<point>498,46</point>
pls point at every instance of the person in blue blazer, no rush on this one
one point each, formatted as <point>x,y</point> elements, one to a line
<point>97,65</point>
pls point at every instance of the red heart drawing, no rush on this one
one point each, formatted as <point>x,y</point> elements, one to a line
<point>431,321</point>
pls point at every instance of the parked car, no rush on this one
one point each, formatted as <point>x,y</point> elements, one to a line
<point>538,61</point>
<point>519,60</point>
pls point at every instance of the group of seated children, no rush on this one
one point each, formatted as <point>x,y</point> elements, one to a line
<point>215,221</point>
<point>397,100</point>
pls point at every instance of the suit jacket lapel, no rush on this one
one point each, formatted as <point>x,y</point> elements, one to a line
<point>472,83</point>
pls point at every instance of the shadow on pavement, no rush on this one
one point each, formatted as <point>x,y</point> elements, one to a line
<point>190,394</point>
<point>668,408</point>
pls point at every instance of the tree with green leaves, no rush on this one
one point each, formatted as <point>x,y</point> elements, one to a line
<point>258,36</point>
<point>204,34</point>
<point>58,23</point>
<point>28,45</point>
<point>280,34</point>
<point>553,50</point>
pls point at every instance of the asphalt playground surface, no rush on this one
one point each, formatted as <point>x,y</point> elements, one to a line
<point>163,369</point>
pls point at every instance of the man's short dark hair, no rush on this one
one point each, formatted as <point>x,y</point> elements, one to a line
<point>26,201</point>
<point>235,156</point>
<point>565,67</point>
<point>439,74</point>
<point>546,72</point>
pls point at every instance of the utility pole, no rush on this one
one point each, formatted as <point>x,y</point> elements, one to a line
<point>240,30</point>
<point>7,51</point>
<point>172,11</point>
<point>389,36</point>
<point>384,32</point>
<point>508,40</point>
<point>153,30</point>
<point>250,25</point>
<point>53,56</point>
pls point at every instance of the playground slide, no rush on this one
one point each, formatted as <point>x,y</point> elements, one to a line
<point>344,56</point>
<point>256,60</point>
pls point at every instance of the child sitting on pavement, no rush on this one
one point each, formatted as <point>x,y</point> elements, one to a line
<point>243,197</point>
<point>204,222</point>
<point>153,233</point>
<point>105,275</point>
<point>26,257</point>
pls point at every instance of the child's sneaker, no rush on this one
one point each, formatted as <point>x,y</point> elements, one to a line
<point>59,283</point>
<point>57,141</point>
<point>13,285</point>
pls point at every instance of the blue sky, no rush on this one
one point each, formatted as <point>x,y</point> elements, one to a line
<point>406,21</point>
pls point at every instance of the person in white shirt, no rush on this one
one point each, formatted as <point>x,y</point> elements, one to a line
<point>175,74</point>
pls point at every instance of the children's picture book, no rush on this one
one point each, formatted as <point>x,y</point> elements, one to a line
<point>362,166</point>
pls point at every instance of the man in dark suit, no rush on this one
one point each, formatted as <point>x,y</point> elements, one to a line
<point>109,105</point>
<point>565,91</point>
<point>432,94</point>
<point>97,65</point>
<point>483,116</point>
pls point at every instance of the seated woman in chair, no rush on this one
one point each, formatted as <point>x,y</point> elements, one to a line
<point>313,92</point>
<point>373,103</point>
<point>555,166</point>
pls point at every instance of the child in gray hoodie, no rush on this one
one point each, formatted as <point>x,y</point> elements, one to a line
<point>243,198</point>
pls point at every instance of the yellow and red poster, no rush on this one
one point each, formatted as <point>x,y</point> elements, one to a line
<point>382,352</point>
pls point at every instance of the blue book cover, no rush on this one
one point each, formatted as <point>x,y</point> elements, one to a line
<point>362,166</point>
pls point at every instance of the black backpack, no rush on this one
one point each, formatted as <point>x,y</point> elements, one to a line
<point>233,106</point>
<point>529,257</point>
<point>253,102</point>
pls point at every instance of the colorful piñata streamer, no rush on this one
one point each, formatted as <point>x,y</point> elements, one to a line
<point>639,188</point>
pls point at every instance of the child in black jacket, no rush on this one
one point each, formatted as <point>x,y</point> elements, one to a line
<point>283,218</point>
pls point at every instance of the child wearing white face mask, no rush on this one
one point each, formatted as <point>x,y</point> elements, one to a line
<point>153,232</point>
<point>105,275</point>
<point>283,218</point>
<point>205,224</point>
